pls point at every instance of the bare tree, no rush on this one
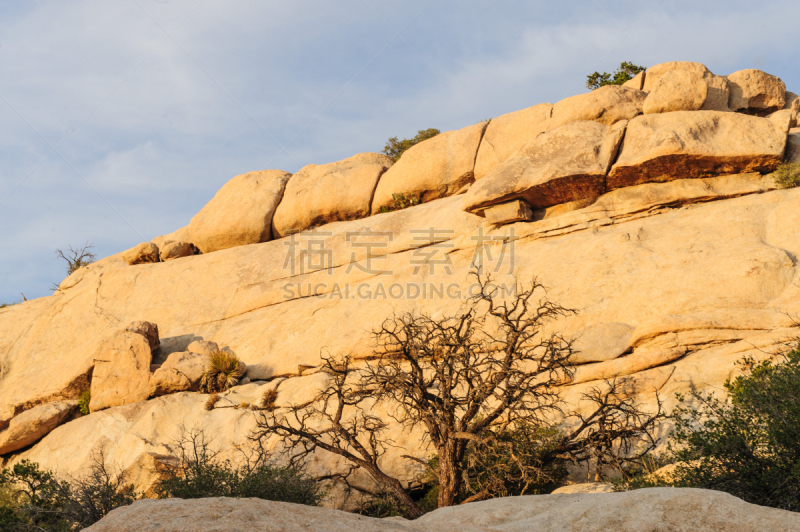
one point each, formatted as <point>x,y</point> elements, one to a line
<point>77,258</point>
<point>463,380</point>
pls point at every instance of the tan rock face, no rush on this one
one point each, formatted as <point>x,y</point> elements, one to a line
<point>148,330</point>
<point>32,425</point>
<point>141,254</point>
<point>793,146</point>
<point>718,87</point>
<point>676,90</point>
<point>755,92</point>
<point>148,470</point>
<point>686,144</point>
<point>203,347</point>
<point>607,105</point>
<point>121,371</point>
<point>512,211</point>
<point>566,164</point>
<point>180,235</point>
<point>175,250</point>
<point>240,213</point>
<point>181,372</point>
<point>507,133</point>
<point>637,82</point>
<point>434,168</point>
<point>602,341</point>
<point>320,194</point>
<point>793,105</point>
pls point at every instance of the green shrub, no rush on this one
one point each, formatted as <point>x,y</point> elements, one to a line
<point>395,148</point>
<point>746,445</point>
<point>33,499</point>
<point>399,202</point>
<point>787,175</point>
<point>83,402</point>
<point>626,71</point>
<point>223,371</point>
<point>202,475</point>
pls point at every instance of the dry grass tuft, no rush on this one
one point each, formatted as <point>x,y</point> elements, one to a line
<point>212,400</point>
<point>223,371</point>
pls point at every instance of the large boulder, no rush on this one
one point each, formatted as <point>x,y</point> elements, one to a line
<point>793,105</point>
<point>121,371</point>
<point>181,372</point>
<point>240,213</point>
<point>434,168</point>
<point>143,253</point>
<point>320,194</point>
<point>507,133</point>
<point>607,105</point>
<point>148,330</point>
<point>686,144</point>
<point>718,91</point>
<point>566,164</point>
<point>644,510</point>
<point>32,425</point>
<point>676,90</point>
<point>755,92</point>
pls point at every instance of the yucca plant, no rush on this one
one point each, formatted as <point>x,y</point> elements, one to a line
<point>223,371</point>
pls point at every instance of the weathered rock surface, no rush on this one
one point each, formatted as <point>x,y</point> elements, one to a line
<point>589,487</point>
<point>637,82</point>
<point>149,469</point>
<point>718,91</point>
<point>756,92</point>
<point>240,213</point>
<point>179,235</point>
<point>434,168</point>
<point>686,144</point>
<point>507,133</point>
<point>181,372</point>
<point>512,211</point>
<point>320,194</point>
<point>121,371</point>
<point>602,341</point>
<point>793,105</point>
<point>203,347</point>
<point>148,330</point>
<point>141,254</point>
<point>644,510</point>
<point>31,425</point>
<point>175,250</point>
<point>566,164</point>
<point>676,90</point>
<point>607,105</point>
<point>793,146</point>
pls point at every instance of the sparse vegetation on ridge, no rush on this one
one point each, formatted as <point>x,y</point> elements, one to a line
<point>83,402</point>
<point>395,148</point>
<point>399,202</point>
<point>626,71</point>
<point>78,257</point>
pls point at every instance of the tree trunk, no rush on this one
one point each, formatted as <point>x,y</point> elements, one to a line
<point>397,490</point>
<point>449,476</point>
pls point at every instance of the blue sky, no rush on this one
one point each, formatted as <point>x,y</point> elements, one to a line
<point>120,119</point>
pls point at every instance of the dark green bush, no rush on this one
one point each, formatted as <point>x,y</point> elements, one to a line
<point>83,402</point>
<point>395,148</point>
<point>202,475</point>
<point>36,500</point>
<point>625,72</point>
<point>787,175</point>
<point>746,445</point>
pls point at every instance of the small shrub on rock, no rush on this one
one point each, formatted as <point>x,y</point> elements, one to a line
<point>787,175</point>
<point>201,475</point>
<point>83,402</point>
<point>399,202</point>
<point>626,71</point>
<point>395,148</point>
<point>223,371</point>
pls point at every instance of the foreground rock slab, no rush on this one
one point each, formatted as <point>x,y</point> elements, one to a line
<point>33,424</point>
<point>644,510</point>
